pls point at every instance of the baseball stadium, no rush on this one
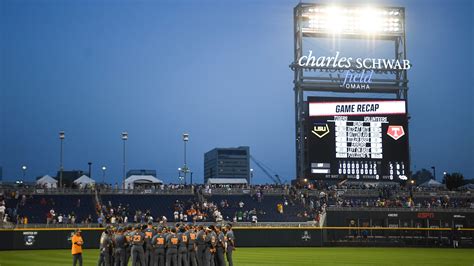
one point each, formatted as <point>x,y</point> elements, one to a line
<point>149,133</point>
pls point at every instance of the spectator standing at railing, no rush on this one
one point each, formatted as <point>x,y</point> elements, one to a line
<point>280,208</point>
<point>259,196</point>
<point>2,210</point>
<point>254,218</point>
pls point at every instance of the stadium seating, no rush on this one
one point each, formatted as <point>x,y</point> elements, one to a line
<point>266,208</point>
<point>37,206</point>
<point>62,204</point>
<point>159,205</point>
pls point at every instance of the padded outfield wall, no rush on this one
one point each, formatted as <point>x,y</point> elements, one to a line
<point>370,228</point>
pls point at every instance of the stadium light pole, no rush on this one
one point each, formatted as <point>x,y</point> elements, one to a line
<point>180,170</point>
<point>23,169</point>
<point>61,167</point>
<point>103,174</point>
<point>251,176</point>
<point>124,138</point>
<point>185,168</point>
<point>434,172</point>
<point>90,169</point>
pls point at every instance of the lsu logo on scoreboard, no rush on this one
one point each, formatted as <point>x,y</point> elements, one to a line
<point>320,130</point>
<point>395,132</point>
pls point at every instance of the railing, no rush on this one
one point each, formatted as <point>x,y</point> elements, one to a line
<point>96,225</point>
<point>189,190</point>
<point>243,191</point>
<point>153,191</point>
<point>390,209</point>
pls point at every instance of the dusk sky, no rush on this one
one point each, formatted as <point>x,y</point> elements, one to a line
<point>217,70</point>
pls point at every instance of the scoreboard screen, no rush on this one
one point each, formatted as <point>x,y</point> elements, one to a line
<point>357,139</point>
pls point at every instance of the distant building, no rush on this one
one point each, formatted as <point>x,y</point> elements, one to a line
<point>141,172</point>
<point>227,166</point>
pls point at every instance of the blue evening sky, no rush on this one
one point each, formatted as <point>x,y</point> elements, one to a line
<point>215,69</point>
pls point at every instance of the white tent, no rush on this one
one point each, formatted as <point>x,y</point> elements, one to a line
<point>432,183</point>
<point>47,181</point>
<point>141,179</point>
<point>227,181</point>
<point>84,180</point>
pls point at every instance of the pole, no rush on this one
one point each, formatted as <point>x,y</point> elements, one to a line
<point>185,170</point>
<point>61,168</point>
<point>103,176</point>
<point>124,164</point>
<point>90,167</point>
<point>191,178</point>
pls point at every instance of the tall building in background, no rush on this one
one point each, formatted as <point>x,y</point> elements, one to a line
<point>227,166</point>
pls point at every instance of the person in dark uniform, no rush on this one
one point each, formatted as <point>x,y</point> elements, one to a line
<point>105,247</point>
<point>211,241</point>
<point>128,248</point>
<point>158,243</point>
<point>172,242</point>
<point>230,244</point>
<point>455,236</point>
<point>119,242</point>
<point>201,245</point>
<point>149,234</point>
<point>182,247</point>
<point>191,234</point>
<point>138,254</point>
<point>220,246</point>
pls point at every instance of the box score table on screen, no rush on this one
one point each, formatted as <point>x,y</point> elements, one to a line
<point>359,139</point>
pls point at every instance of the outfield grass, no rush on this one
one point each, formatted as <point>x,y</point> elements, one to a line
<point>280,256</point>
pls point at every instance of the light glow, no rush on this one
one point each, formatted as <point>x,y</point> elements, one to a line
<point>352,20</point>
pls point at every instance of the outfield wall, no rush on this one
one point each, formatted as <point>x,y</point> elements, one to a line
<point>23,239</point>
<point>374,227</point>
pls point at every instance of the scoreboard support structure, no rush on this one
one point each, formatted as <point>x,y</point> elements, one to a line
<point>321,21</point>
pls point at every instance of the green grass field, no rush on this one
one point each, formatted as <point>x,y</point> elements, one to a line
<point>280,256</point>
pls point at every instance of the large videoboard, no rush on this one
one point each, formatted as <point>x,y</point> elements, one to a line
<point>357,139</point>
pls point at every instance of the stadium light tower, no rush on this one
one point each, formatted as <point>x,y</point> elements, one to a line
<point>185,168</point>
<point>320,21</point>
<point>61,167</point>
<point>251,176</point>
<point>104,168</point>
<point>90,169</point>
<point>124,138</point>
<point>23,169</point>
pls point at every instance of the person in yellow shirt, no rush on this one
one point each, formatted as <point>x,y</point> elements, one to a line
<point>76,249</point>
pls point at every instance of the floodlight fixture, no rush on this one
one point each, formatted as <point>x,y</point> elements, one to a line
<point>336,20</point>
<point>124,135</point>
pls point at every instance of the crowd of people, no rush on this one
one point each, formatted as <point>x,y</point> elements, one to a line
<point>201,208</point>
<point>189,211</point>
<point>159,244</point>
<point>405,202</point>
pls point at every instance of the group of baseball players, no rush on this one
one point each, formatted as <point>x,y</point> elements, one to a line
<point>179,245</point>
